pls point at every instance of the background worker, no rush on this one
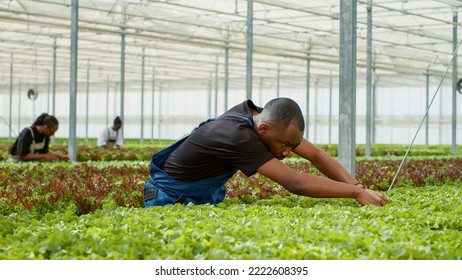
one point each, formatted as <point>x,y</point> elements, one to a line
<point>250,139</point>
<point>32,143</point>
<point>110,136</point>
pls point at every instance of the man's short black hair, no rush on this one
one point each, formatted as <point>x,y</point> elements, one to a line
<point>282,111</point>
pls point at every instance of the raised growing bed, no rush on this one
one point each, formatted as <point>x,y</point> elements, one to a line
<point>418,223</point>
<point>87,186</point>
<point>87,151</point>
<point>94,210</point>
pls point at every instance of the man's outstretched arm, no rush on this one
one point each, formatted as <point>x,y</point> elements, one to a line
<point>324,162</point>
<point>316,186</point>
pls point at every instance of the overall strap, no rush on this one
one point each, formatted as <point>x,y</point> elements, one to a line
<point>243,117</point>
<point>32,133</point>
<point>35,146</point>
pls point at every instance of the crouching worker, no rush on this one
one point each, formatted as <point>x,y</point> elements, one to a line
<point>32,143</point>
<point>250,139</point>
<point>110,136</point>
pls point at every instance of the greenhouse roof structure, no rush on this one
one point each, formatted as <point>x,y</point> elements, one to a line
<point>185,42</point>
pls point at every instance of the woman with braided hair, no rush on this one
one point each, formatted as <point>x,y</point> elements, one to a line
<point>32,143</point>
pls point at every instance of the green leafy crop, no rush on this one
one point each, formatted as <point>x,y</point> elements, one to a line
<point>418,223</point>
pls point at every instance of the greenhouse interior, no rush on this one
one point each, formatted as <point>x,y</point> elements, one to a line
<point>164,66</point>
<point>364,73</point>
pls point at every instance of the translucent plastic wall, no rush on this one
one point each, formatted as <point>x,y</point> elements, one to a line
<point>398,112</point>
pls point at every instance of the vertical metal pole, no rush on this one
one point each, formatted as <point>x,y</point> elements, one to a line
<point>48,92</point>
<point>316,93</point>
<point>226,85</point>
<point>330,108</point>
<point>160,113</point>
<point>307,109</point>
<point>369,81</point>
<point>107,102</point>
<point>152,102</point>
<point>209,98</point>
<point>116,90</point>
<point>278,77</point>
<point>374,105</point>
<point>260,91</point>
<point>88,101</point>
<point>216,88</point>
<point>454,82</point>
<point>427,101</point>
<point>19,106</point>
<point>249,48</point>
<point>53,85</point>
<point>440,118</point>
<point>347,86</point>
<point>33,108</point>
<point>11,97</point>
<point>72,144</point>
<point>122,65</point>
<point>142,98</point>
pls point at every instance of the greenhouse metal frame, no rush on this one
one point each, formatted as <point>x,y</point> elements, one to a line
<point>66,47</point>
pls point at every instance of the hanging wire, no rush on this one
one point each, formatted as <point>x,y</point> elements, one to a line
<point>113,6</point>
<point>425,116</point>
<point>9,126</point>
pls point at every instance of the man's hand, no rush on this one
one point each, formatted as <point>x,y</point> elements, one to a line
<point>368,196</point>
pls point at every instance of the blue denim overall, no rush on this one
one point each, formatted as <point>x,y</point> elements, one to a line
<point>161,189</point>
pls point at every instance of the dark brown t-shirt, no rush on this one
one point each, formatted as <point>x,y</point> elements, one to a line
<point>219,146</point>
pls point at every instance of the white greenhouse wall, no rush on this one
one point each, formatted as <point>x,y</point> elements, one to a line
<point>399,111</point>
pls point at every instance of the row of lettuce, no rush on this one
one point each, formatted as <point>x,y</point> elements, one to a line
<point>94,210</point>
<point>86,187</point>
<point>418,223</point>
<point>87,151</point>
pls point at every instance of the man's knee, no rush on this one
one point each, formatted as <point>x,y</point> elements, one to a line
<point>156,197</point>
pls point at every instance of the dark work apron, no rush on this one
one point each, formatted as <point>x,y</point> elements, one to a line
<point>161,189</point>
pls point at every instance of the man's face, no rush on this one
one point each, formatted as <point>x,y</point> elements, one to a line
<point>280,141</point>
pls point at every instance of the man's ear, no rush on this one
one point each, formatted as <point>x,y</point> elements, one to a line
<point>262,129</point>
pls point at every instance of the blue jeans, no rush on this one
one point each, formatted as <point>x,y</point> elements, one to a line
<point>163,198</point>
